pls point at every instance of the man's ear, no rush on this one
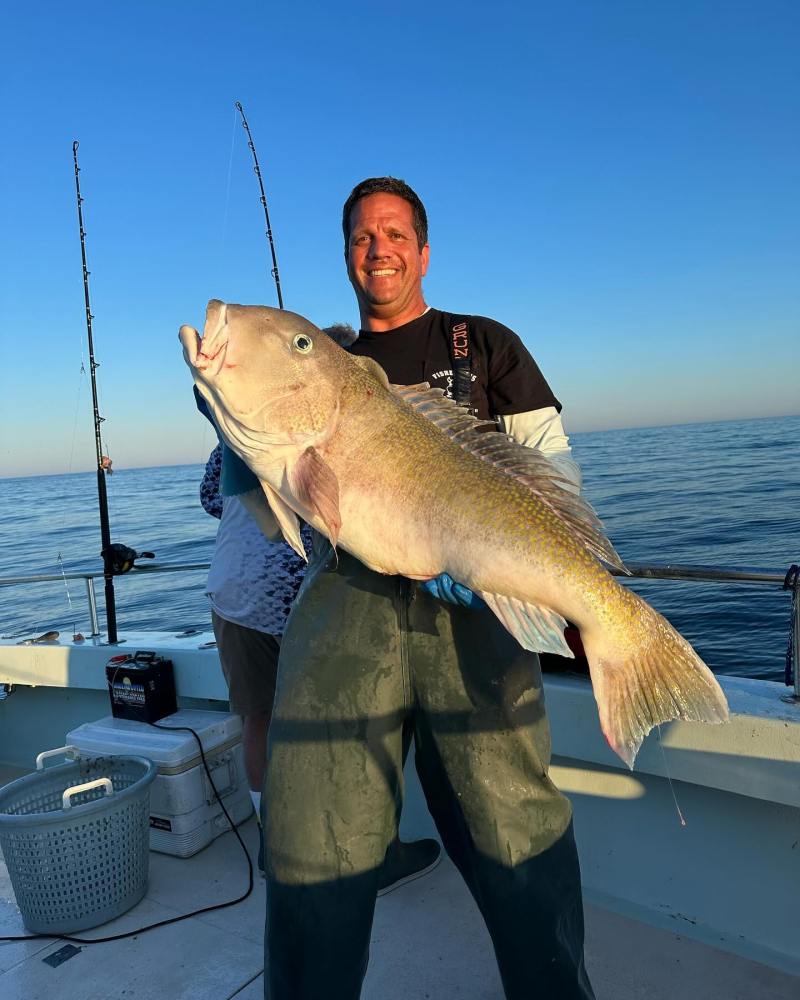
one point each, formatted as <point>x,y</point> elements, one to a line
<point>425,254</point>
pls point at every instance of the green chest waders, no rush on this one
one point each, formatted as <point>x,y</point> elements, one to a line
<point>363,656</point>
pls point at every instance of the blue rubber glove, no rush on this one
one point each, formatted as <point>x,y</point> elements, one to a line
<point>446,589</point>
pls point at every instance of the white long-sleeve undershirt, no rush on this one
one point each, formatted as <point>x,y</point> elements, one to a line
<point>543,429</point>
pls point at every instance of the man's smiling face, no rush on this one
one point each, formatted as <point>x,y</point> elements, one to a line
<point>384,262</point>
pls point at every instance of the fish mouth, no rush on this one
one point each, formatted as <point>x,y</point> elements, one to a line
<point>206,354</point>
<point>211,361</point>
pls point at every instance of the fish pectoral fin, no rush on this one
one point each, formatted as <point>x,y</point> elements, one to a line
<point>535,628</point>
<point>316,487</point>
<point>288,521</point>
<point>373,368</point>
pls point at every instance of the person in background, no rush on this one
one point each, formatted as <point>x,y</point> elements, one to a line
<point>252,584</point>
<point>369,659</point>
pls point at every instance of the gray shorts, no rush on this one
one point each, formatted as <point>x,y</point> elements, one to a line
<point>249,662</point>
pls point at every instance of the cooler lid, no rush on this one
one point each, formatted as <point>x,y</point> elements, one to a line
<point>167,750</point>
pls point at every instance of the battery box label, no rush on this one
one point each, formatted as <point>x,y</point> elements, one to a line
<point>128,694</point>
<point>160,824</point>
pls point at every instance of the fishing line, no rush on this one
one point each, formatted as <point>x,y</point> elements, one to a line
<point>78,394</point>
<point>81,379</point>
<point>66,507</point>
<point>81,376</point>
<point>228,188</point>
<point>669,778</point>
<point>206,431</point>
<point>69,597</point>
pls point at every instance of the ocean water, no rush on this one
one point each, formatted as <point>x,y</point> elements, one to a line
<point>714,494</point>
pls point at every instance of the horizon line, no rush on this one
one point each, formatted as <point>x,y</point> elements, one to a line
<point>571,434</point>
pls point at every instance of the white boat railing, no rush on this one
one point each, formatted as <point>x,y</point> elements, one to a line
<point>789,581</point>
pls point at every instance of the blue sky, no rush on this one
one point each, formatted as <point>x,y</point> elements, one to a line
<point>616,181</point>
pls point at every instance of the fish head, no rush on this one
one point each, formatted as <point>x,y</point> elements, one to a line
<point>271,379</point>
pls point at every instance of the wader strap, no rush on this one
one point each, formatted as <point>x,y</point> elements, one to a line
<point>462,361</point>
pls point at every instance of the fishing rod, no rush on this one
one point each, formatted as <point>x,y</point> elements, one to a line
<point>102,462</point>
<point>257,169</point>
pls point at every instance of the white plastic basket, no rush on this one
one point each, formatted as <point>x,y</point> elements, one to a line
<point>75,838</point>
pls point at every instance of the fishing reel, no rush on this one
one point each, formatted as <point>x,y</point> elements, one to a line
<point>122,557</point>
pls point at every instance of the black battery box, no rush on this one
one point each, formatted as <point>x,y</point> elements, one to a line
<point>141,687</point>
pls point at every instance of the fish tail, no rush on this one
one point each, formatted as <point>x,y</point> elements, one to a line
<point>644,673</point>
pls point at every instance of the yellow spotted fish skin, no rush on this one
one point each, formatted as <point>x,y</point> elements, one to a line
<point>412,485</point>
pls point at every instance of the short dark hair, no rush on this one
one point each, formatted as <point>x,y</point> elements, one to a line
<point>386,185</point>
<point>341,333</point>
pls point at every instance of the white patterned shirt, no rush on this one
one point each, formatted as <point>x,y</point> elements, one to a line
<point>252,582</point>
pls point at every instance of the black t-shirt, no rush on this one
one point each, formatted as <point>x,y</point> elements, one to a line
<point>505,377</point>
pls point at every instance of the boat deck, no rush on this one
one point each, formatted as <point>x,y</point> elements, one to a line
<point>428,943</point>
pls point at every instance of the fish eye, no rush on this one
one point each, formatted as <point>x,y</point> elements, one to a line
<point>303,343</point>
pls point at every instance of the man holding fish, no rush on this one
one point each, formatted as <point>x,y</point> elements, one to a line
<point>409,493</point>
<point>488,702</point>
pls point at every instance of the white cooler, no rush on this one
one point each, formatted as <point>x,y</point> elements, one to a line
<point>184,813</point>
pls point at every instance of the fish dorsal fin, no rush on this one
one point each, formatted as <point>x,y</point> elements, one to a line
<point>315,485</point>
<point>288,521</point>
<point>538,629</point>
<point>372,367</point>
<point>527,465</point>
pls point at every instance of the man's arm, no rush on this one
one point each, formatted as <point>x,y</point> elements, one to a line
<point>543,429</point>
<point>522,402</point>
